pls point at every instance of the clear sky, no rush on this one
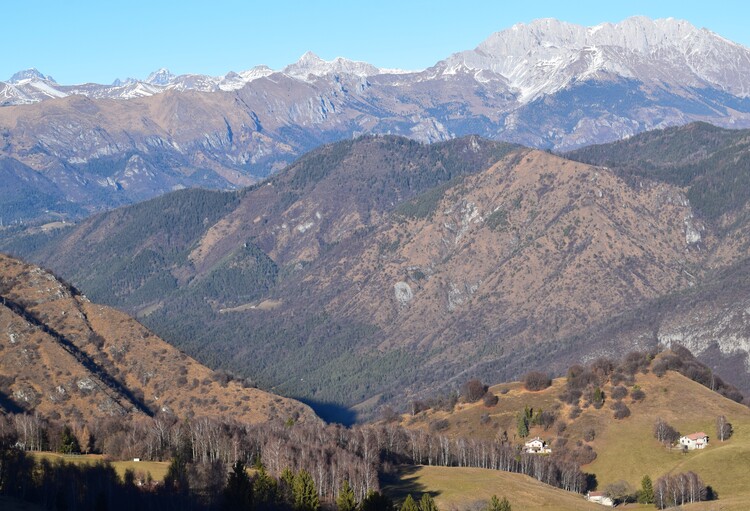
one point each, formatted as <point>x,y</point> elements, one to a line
<point>79,41</point>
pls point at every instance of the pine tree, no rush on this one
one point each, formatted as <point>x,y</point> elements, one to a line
<point>237,494</point>
<point>305,494</point>
<point>286,483</point>
<point>69,444</point>
<point>376,501</point>
<point>523,425</point>
<point>496,504</point>
<point>346,500</point>
<point>409,504</point>
<point>598,398</point>
<point>646,494</point>
<point>177,474</point>
<point>427,503</point>
<point>264,489</point>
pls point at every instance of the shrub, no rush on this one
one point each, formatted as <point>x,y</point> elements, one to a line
<point>665,433</point>
<point>536,380</point>
<point>545,419</point>
<point>621,410</point>
<point>635,361</point>
<point>589,434</point>
<point>602,367</point>
<point>560,427</point>
<point>570,396</point>
<point>583,454</point>
<point>439,425</point>
<point>619,392</point>
<point>637,394</point>
<point>575,412</point>
<point>490,399</point>
<point>473,390</point>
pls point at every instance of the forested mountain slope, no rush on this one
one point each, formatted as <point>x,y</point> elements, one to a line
<point>380,265</point>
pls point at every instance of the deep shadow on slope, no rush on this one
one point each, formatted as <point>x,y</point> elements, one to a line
<point>331,412</point>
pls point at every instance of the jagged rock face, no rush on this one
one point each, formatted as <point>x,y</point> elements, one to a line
<point>547,84</point>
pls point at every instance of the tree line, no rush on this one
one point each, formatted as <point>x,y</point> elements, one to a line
<point>332,455</point>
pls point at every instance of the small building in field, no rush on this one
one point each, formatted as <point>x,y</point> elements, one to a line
<point>694,441</point>
<point>536,446</point>
<point>598,497</point>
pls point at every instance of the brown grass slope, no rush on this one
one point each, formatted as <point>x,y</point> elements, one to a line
<point>62,355</point>
<point>626,449</point>
<point>461,488</point>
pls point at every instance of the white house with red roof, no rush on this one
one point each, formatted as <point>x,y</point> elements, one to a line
<point>694,441</point>
<point>537,446</point>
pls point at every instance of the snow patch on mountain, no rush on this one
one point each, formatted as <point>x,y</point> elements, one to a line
<point>310,65</point>
<point>547,55</point>
<point>30,74</point>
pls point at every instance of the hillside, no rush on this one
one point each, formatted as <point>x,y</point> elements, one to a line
<point>472,488</point>
<point>626,448</point>
<point>69,359</point>
<point>462,257</point>
<point>712,163</point>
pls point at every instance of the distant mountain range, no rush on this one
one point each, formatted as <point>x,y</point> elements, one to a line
<point>376,268</point>
<point>547,84</point>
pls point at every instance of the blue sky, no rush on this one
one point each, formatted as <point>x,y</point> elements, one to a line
<point>79,41</point>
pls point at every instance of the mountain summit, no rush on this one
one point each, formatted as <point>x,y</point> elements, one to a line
<point>160,77</point>
<point>547,55</point>
<point>30,74</point>
<point>310,64</point>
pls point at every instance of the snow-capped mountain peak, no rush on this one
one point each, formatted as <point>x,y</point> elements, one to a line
<point>160,77</point>
<point>310,64</point>
<point>547,55</point>
<point>30,74</point>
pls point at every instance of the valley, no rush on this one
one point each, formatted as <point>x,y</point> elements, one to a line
<point>510,277</point>
<point>470,257</point>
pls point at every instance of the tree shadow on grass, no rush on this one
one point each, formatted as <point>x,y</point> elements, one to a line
<point>403,481</point>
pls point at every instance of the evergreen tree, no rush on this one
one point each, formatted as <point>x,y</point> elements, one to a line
<point>346,500</point>
<point>69,444</point>
<point>496,504</point>
<point>427,503</point>
<point>286,483</point>
<point>237,494</point>
<point>646,493</point>
<point>522,423</point>
<point>305,494</point>
<point>177,474</point>
<point>409,504</point>
<point>375,501</point>
<point>264,490</point>
<point>598,398</point>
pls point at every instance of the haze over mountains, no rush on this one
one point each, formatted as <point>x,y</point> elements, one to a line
<point>548,84</point>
